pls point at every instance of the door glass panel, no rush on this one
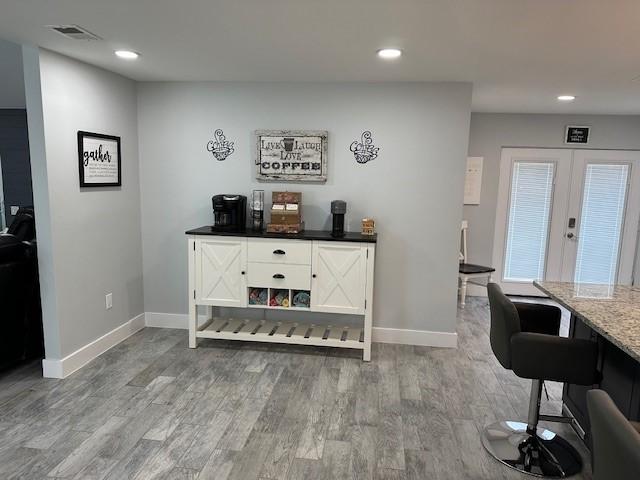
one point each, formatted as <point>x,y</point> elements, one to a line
<point>528,221</point>
<point>601,220</point>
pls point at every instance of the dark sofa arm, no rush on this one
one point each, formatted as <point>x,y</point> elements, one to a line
<point>537,318</point>
<point>548,357</point>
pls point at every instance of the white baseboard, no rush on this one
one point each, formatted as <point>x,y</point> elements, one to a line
<point>424,338</point>
<point>382,335</point>
<point>167,320</point>
<point>61,368</point>
<point>171,320</point>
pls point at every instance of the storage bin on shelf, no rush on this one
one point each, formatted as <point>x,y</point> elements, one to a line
<point>301,298</point>
<point>279,298</point>
<point>258,296</point>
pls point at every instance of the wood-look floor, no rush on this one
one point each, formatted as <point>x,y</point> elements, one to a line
<point>151,408</point>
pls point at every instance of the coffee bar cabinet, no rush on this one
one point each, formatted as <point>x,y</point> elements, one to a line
<point>303,273</point>
<point>220,272</point>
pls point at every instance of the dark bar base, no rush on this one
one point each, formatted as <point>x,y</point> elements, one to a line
<point>620,379</point>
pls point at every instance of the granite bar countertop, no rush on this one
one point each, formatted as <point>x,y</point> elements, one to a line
<point>304,235</point>
<point>613,311</point>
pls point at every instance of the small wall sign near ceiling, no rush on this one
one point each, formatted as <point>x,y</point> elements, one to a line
<point>220,148</point>
<point>99,160</point>
<point>364,151</point>
<point>291,155</point>
<point>577,134</point>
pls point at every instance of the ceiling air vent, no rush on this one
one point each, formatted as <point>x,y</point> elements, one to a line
<point>74,32</point>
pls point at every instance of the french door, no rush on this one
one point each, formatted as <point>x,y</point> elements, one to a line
<point>566,215</point>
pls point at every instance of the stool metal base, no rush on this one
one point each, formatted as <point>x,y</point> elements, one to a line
<point>545,454</point>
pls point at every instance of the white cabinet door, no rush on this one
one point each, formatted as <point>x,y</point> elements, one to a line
<point>339,277</point>
<point>220,272</point>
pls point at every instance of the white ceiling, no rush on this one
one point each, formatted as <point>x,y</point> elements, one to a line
<point>519,54</point>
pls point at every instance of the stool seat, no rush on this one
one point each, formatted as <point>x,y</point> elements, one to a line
<point>470,268</point>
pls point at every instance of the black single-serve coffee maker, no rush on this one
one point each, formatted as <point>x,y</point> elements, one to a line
<point>229,213</point>
<point>338,209</point>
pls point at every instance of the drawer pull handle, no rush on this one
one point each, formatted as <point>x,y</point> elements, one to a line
<point>279,252</point>
<point>278,275</point>
<point>242,272</point>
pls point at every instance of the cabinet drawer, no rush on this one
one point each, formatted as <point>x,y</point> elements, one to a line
<point>268,250</point>
<point>267,275</point>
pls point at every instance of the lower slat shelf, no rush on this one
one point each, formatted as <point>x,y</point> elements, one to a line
<point>282,332</point>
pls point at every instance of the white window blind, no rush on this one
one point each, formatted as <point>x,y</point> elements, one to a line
<point>529,215</point>
<point>603,206</point>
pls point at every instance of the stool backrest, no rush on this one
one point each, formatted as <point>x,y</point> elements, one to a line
<point>616,444</point>
<point>505,322</point>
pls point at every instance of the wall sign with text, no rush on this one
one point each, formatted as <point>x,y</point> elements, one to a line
<point>291,155</point>
<point>99,160</point>
<point>577,134</point>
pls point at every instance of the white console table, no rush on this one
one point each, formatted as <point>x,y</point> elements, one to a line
<point>337,274</point>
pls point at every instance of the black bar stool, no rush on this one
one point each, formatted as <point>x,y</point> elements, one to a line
<point>524,338</point>
<point>616,441</point>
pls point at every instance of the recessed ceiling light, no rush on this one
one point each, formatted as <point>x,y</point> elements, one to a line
<point>566,98</point>
<point>127,54</point>
<point>389,53</point>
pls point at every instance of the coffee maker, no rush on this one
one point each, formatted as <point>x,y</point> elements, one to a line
<point>229,213</point>
<point>338,209</point>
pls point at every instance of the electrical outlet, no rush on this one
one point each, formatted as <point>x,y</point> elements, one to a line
<point>108,300</point>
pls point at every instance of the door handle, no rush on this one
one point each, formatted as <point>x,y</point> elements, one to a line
<point>278,276</point>
<point>279,252</point>
<point>570,235</point>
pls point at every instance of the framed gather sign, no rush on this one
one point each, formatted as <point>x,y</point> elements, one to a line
<point>291,155</point>
<point>99,160</point>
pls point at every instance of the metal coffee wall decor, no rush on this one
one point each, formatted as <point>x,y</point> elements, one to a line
<point>291,155</point>
<point>364,150</point>
<point>221,148</point>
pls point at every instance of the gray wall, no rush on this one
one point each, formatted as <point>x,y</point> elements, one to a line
<point>14,140</point>
<point>413,189</point>
<point>37,150</point>
<point>11,76</point>
<point>491,131</point>
<point>89,239</point>
<point>14,157</point>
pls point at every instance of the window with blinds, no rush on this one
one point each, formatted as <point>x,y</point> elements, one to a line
<point>528,223</point>
<point>601,220</point>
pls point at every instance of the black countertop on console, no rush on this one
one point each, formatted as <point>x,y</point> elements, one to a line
<point>305,235</point>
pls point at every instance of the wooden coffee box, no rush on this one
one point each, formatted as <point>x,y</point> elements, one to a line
<point>286,212</point>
